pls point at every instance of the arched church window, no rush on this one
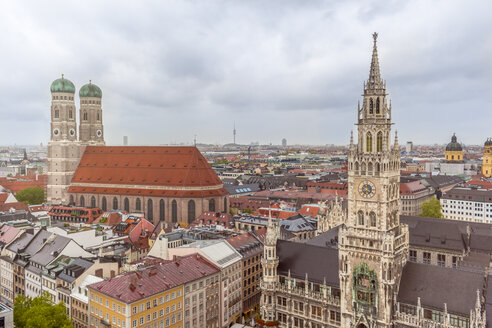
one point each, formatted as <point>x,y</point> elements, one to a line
<point>377,106</point>
<point>126,204</point>
<point>174,211</point>
<point>71,200</point>
<point>150,209</point>
<point>98,116</point>
<point>104,204</point>
<point>371,106</point>
<point>363,168</point>
<point>379,142</point>
<point>70,113</point>
<point>369,168</point>
<point>161,210</point>
<point>211,205</point>
<point>378,167</point>
<point>82,201</point>
<point>93,201</point>
<point>115,203</point>
<point>138,205</point>
<point>57,113</point>
<point>369,142</point>
<point>357,166</point>
<point>360,216</point>
<point>85,116</point>
<point>225,204</point>
<point>191,211</point>
<point>372,219</point>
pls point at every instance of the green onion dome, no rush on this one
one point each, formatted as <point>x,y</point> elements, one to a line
<point>90,90</point>
<point>62,85</point>
<point>454,145</point>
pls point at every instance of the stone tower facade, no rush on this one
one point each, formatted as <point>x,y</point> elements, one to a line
<point>373,245</point>
<point>487,159</point>
<point>91,126</point>
<point>65,148</point>
<point>270,278</point>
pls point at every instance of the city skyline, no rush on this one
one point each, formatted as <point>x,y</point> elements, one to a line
<point>206,66</point>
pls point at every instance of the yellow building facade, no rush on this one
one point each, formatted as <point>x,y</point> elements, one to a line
<point>454,151</point>
<point>164,309</point>
<point>487,159</point>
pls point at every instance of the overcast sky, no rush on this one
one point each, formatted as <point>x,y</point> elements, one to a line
<point>279,69</point>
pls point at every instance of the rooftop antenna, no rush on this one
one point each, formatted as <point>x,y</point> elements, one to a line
<point>234,132</point>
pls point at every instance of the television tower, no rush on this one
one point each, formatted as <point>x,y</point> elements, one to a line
<point>234,132</point>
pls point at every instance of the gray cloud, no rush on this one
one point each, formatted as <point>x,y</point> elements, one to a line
<point>294,69</point>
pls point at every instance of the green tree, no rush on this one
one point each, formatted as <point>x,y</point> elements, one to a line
<point>31,195</point>
<point>40,312</point>
<point>431,208</point>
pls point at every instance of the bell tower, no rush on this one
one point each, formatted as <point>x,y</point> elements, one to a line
<point>91,126</point>
<point>373,244</point>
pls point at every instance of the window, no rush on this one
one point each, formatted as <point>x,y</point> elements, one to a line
<point>70,114</point>
<point>93,201</point>
<point>413,256</point>
<point>441,259</point>
<point>174,210</point>
<point>161,210</point>
<point>150,209</point>
<point>57,113</point>
<point>82,201</point>
<point>115,203</point>
<point>427,257</point>
<point>372,218</point>
<point>377,106</point>
<point>379,141</point>
<point>85,116</point>
<point>104,204</point>
<point>211,205</point>
<point>371,107</point>
<point>191,211</point>
<point>369,142</point>
<point>126,205</point>
<point>225,204</point>
<point>138,205</point>
<point>455,261</point>
<point>361,217</point>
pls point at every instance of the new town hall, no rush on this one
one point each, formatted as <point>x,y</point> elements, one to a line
<point>374,268</point>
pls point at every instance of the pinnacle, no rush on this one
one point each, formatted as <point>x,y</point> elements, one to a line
<point>374,81</point>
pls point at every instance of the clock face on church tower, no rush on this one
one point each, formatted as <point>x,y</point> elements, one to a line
<point>367,189</point>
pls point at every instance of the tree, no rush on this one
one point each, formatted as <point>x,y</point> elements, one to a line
<point>431,208</point>
<point>40,312</point>
<point>31,195</point>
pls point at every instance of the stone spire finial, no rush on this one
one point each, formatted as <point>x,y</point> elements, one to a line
<point>374,81</point>
<point>478,303</point>
<point>351,139</point>
<point>396,138</point>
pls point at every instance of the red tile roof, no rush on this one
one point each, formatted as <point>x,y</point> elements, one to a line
<point>171,167</point>
<point>246,244</point>
<point>214,218</point>
<point>17,206</point>
<point>18,183</point>
<point>8,233</point>
<point>311,210</point>
<point>162,276</point>
<point>411,187</point>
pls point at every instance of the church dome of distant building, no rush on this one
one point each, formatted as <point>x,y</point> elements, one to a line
<point>62,85</point>
<point>90,90</point>
<point>454,145</point>
<point>488,142</point>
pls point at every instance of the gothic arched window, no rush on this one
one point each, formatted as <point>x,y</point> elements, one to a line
<point>82,201</point>
<point>71,200</point>
<point>57,113</point>
<point>369,142</point>
<point>211,205</point>
<point>98,116</point>
<point>161,210</point>
<point>104,204</point>
<point>85,116</point>
<point>225,204</point>
<point>191,211</point>
<point>371,107</point>
<point>126,204</point>
<point>115,203</point>
<point>377,106</point>
<point>93,201</point>
<point>138,205</point>
<point>357,166</point>
<point>372,219</point>
<point>379,142</point>
<point>70,113</point>
<point>150,210</point>
<point>369,168</point>
<point>174,211</point>
<point>360,216</point>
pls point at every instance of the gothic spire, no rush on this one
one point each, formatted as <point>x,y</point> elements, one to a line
<point>374,81</point>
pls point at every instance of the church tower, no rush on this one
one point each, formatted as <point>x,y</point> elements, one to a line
<point>487,158</point>
<point>91,127</point>
<point>373,245</point>
<point>63,148</point>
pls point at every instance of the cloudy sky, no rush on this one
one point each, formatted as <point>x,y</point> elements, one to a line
<point>293,69</point>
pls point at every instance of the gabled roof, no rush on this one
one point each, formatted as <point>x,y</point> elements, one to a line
<point>8,234</point>
<point>51,249</point>
<point>318,262</point>
<point>152,171</point>
<point>458,290</point>
<point>155,279</point>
